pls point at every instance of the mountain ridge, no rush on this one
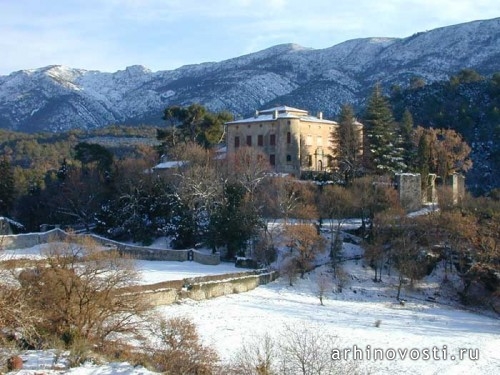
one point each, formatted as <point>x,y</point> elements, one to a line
<point>58,98</point>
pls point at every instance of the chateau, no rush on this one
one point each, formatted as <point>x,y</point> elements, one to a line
<point>292,140</point>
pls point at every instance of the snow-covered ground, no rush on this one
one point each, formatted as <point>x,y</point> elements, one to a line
<point>156,271</point>
<point>442,327</point>
<point>418,325</point>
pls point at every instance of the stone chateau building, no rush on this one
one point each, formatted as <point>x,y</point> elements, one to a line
<point>291,139</point>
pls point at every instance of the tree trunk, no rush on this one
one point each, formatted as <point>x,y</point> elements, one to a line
<point>399,287</point>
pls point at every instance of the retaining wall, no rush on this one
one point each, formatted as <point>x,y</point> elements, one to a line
<point>202,288</point>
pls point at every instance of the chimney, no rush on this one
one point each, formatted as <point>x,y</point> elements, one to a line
<point>320,115</point>
<point>275,116</point>
<point>256,113</point>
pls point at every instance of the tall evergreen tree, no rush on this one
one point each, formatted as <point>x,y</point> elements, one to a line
<point>7,188</point>
<point>347,144</point>
<point>423,159</point>
<point>234,221</point>
<point>407,130</point>
<point>88,153</point>
<point>382,151</point>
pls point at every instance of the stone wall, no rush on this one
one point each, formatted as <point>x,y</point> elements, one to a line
<point>204,258</point>
<point>22,241</point>
<point>147,253</point>
<point>202,288</point>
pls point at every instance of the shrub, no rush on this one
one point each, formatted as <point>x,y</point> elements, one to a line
<point>178,349</point>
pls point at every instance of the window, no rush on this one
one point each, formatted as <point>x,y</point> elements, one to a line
<point>249,140</point>
<point>309,140</point>
<point>288,138</point>
<point>236,142</point>
<point>309,160</point>
<point>272,159</point>
<point>319,141</point>
<point>289,158</point>
<point>272,139</point>
<point>260,140</point>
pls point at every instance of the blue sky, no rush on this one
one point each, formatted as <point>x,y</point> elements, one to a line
<point>109,35</point>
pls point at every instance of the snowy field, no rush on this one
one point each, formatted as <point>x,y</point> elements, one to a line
<point>351,316</point>
<point>419,325</point>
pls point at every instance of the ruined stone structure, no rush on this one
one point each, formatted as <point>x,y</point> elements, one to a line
<point>412,196</point>
<point>429,194</point>
<point>457,187</point>
<point>409,187</point>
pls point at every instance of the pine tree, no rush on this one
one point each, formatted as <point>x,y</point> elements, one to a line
<point>407,130</point>
<point>62,172</point>
<point>423,159</point>
<point>346,139</point>
<point>383,153</point>
<point>7,188</point>
<point>192,124</point>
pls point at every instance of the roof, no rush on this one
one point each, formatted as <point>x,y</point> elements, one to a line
<point>283,108</point>
<point>281,112</point>
<point>170,164</point>
<point>12,222</point>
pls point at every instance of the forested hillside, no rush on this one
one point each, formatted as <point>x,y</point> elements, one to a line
<point>31,156</point>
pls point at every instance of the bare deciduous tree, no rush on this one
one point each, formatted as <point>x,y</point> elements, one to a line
<point>305,243</point>
<point>342,279</point>
<point>289,268</point>
<point>293,351</point>
<point>265,251</point>
<point>249,167</point>
<point>448,152</point>
<point>17,318</point>
<point>323,285</point>
<point>79,292</point>
<point>256,357</point>
<point>335,204</point>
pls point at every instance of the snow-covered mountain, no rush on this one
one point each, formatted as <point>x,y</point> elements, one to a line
<point>56,98</point>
